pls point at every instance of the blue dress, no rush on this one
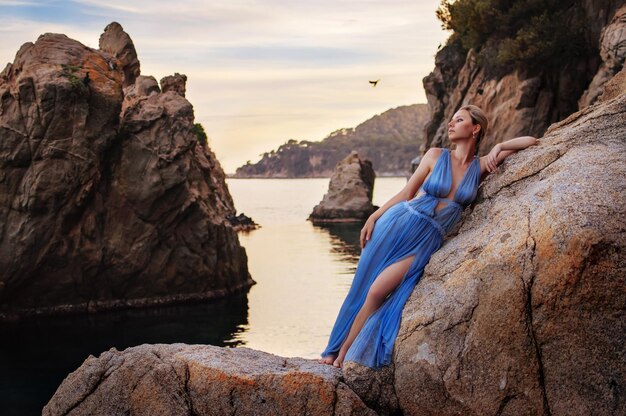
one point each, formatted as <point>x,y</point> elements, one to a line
<point>407,228</point>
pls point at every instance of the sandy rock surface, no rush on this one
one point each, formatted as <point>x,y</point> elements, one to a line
<point>183,379</point>
<point>524,311</point>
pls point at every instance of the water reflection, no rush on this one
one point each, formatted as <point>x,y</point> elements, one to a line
<point>37,354</point>
<point>344,240</point>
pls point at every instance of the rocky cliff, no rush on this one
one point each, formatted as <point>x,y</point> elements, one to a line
<point>390,140</point>
<point>525,101</point>
<point>522,312</point>
<point>107,198</point>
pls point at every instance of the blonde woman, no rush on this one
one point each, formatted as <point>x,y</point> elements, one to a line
<point>398,239</point>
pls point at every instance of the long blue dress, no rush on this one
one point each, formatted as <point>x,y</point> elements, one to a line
<point>407,228</point>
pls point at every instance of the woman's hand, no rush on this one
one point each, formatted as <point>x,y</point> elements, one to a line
<point>492,158</point>
<point>502,150</point>
<point>366,231</point>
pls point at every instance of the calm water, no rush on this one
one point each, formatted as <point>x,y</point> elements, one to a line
<point>302,272</point>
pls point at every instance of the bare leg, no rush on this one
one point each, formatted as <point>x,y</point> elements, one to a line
<point>384,284</point>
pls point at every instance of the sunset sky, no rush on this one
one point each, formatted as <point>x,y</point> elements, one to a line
<point>259,72</point>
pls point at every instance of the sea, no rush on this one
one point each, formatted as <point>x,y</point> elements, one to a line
<point>302,273</point>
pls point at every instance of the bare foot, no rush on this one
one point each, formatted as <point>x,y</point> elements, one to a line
<point>339,361</point>
<point>329,359</point>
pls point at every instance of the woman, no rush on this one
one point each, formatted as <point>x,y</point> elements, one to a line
<point>398,239</point>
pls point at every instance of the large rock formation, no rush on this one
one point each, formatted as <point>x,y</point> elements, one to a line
<point>524,102</point>
<point>613,54</point>
<point>350,191</point>
<point>107,199</point>
<point>183,379</point>
<point>522,312</point>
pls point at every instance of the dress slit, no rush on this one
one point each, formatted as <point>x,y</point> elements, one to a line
<point>404,275</point>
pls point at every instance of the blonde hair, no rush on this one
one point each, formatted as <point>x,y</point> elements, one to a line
<point>478,117</point>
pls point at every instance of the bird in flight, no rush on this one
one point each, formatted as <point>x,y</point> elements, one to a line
<point>374,82</point>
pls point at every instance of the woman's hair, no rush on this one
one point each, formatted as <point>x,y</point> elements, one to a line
<point>478,117</point>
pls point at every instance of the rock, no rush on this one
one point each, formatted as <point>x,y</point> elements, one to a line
<point>144,86</point>
<point>613,54</point>
<point>183,379</point>
<point>615,87</point>
<point>595,87</point>
<point>175,83</point>
<point>115,42</point>
<point>103,205</point>
<point>242,222</point>
<point>613,40</point>
<point>523,311</point>
<point>349,196</point>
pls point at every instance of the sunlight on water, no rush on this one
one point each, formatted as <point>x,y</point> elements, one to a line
<point>303,272</point>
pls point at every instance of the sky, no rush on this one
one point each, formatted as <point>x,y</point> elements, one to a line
<point>259,72</point>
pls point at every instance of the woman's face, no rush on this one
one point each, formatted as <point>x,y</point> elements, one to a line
<point>461,127</point>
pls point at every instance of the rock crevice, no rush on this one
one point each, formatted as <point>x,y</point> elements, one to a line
<point>528,291</point>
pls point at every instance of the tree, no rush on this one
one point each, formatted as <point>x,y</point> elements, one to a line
<point>200,133</point>
<point>525,34</point>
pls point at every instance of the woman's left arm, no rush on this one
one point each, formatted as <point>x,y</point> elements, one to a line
<point>501,150</point>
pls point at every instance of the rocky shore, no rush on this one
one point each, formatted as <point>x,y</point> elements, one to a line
<point>108,199</point>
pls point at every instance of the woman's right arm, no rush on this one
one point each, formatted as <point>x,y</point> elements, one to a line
<point>501,151</point>
<point>408,192</point>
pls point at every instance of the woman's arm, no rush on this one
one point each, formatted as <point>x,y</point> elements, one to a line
<point>408,192</point>
<point>412,185</point>
<point>500,151</point>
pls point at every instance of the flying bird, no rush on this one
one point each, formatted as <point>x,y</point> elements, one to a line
<point>374,82</point>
